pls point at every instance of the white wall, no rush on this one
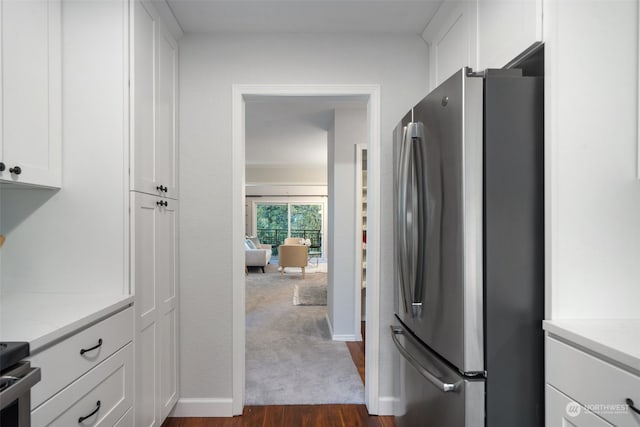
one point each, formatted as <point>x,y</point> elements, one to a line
<point>593,195</point>
<point>209,66</point>
<point>286,175</point>
<point>76,239</point>
<point>350,128</point>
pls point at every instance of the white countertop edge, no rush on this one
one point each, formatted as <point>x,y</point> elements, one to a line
<point>579,333</point>
<point>81,323</point>
<point>42,319</point>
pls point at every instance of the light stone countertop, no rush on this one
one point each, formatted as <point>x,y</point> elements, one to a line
<point>44,318</point>
<point>617,340</point>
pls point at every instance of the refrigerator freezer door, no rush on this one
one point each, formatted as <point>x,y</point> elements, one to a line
<point>432,394</point>
<point>438,222</point>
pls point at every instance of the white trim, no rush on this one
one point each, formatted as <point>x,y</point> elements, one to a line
<point>238,209</point>
<point>387,404</point>
<point>372,94</point>
<point>203,408</point>
<point>358,292</point>
<point>326,317</point>
<point>341,337</point>
<point>345,338</point>
<point>169,19</point>
<point>551,147</point>
<point>374,173</point>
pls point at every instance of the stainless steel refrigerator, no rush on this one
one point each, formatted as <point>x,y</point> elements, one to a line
<point>469,253</point>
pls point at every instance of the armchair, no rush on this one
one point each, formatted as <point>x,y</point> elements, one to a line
<point>292,256</point>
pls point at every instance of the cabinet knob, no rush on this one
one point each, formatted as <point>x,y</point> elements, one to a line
<point>162,203</point>
<point>2,167</point>
<point>161,188</point>
<point>16,170</point>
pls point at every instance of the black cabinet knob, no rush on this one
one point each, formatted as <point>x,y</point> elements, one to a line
<point>2,167</point>
<point>162,203</point>
<point>162,188</point>
<point>16,170</point>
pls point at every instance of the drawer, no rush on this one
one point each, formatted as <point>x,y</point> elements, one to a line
<point>62,363</point>
<point>126,420</point>
<point>110,383</point>
<point>597,385</point>
<point>561,411</point>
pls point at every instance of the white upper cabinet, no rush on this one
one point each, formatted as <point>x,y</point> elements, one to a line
<point>154,93</point>
<point>166,137</point>
<point>480,34</point>
<point>30,91</point>
<point>506,28</point>
<point>452,40</point>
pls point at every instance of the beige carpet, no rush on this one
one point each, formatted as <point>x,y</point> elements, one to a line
<point>290,357</point>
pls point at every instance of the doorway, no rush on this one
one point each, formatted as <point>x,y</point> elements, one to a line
<point>242,93</point>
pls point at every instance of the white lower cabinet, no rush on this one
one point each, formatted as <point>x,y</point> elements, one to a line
<point>564,412</point>
<point>94,387</point>
<point>583,389</point>
<point>154,225</point>
<point>126,420</point>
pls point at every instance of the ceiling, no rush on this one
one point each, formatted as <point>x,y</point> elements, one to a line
<point>304,16</point>
<point>291,131</point>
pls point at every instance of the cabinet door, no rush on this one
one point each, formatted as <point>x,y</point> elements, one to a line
<point>155,225</point>
<point>144,82</point>
<point>30,91</point>
<point>452,39</point>
<point>145,223</point>
<point>166,279</point>
<point>561,411</point>
<point>166,137</point>
<point>506,29</point>
<point>154,117</point>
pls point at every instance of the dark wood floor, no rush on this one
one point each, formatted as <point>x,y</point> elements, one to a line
<point>357,352</point>
<point>299,415</point>
<point>291,416</point>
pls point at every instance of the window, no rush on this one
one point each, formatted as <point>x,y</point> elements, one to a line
<point>277,221</point>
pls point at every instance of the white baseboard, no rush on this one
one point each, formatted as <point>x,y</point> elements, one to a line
<point>341,337</point>
<point>386,405</point>
<point>203,408</point>
<point>345,337</point>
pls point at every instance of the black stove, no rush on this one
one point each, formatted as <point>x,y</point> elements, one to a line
<point>17,377</point>
<point>11,353</point>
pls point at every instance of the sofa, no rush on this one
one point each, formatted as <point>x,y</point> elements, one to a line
<point>256,254</point>
<point>292,256</point>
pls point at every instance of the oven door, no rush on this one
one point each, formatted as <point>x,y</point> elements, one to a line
<point>15,395</point>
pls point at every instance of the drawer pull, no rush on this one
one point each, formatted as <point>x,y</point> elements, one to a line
<point>84,350</point>
<point>632,406</point>
<point>81,419</point>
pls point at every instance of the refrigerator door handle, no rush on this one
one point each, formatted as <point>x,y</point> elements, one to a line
<point>420,214</point>
<point>402,230</point>
<point>440,385</point>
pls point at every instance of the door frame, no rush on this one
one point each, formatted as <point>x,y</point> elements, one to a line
<point>370,93</point>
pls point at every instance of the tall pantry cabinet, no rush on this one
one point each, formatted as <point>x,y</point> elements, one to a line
<point>154,221</point>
